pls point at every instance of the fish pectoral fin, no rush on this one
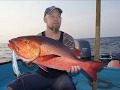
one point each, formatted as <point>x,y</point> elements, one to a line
<point>43,67</point>
<point>48,57</point>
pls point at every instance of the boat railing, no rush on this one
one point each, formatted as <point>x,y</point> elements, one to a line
<point>106,56</point>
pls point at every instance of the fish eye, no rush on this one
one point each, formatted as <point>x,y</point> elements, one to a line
<point>27,41</point>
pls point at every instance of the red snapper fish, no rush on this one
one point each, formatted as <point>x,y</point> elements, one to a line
<point>47,52</point>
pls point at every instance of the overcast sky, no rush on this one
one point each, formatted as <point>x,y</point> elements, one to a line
<point>25,17</point>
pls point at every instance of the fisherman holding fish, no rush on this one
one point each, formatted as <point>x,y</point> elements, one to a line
<point>47,77</point>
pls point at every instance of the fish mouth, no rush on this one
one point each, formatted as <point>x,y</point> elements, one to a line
<point>10,44</point>
<point>13,46</point>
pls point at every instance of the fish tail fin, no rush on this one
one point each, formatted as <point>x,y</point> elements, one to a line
<point>91,68</point>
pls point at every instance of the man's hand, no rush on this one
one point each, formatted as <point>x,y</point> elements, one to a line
<point>74,69</point>
<point>29,64</point>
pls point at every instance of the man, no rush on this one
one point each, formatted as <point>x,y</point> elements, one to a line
<point>53,79</point>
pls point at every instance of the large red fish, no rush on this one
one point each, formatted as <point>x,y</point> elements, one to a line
<point>51,53</point>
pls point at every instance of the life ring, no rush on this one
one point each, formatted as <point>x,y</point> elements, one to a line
<point>105,86</point>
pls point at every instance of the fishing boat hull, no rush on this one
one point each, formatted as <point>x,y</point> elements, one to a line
<point>108,78</point>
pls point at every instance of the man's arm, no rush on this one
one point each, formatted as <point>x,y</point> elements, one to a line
<point>68,40</point>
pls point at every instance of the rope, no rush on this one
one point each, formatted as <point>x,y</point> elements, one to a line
<point>106,85</point>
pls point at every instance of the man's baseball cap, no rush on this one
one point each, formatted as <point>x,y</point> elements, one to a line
<point>50,9</point>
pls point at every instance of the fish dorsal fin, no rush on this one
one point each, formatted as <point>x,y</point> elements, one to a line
<point>48,57</point>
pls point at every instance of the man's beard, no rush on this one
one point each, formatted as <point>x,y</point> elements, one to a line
<point>54,28</point>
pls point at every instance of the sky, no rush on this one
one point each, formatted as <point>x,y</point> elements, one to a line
<point>25,17</point>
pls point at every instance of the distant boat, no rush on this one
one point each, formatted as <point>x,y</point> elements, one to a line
<point>108,78</point>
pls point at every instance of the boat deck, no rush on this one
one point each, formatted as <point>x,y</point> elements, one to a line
<point>108,77</point>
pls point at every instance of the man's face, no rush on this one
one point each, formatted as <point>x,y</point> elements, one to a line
<point>53,20</point>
